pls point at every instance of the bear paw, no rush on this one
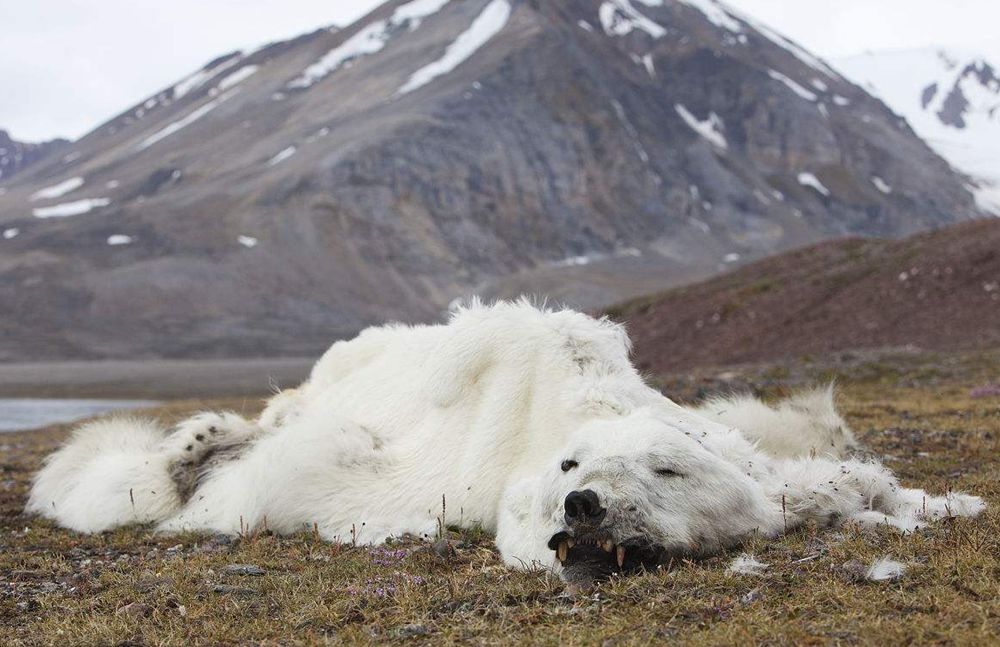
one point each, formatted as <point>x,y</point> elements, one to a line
<point>196,437</point>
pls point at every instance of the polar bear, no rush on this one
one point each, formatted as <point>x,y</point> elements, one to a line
<point>531,423</point>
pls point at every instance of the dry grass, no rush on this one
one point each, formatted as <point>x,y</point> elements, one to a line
<point>132,587</point>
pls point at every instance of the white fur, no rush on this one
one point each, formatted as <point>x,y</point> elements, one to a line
<point>480,413</point>
<point>885,570</point>
<point>747,564</point>
<point>806,424</point>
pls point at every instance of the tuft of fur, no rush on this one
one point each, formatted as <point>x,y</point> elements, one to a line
<point>747,564</point>
<point>804,425</point>
<point>885,570</point>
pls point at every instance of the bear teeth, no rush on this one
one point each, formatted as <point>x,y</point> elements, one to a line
<point>621,556</point>
<point>608,545</point>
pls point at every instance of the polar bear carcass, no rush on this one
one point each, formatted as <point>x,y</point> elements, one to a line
<point>528,422</point>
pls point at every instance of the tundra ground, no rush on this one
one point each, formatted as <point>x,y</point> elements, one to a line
<point>928,416</point>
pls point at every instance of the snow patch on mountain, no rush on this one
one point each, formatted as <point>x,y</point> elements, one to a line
<point>203,76</point>
<point>951,99</point>
<point>67,209</point>
<point>282,156</point>
<point>415,12</point>
<point>620,18</point>
<point>716,13</point>
<point>236,77</point>
<point>647,62</point>
<point>10,233</point>
<point>810,180</point>
<point>881,185</point>
<point>487,24</point>
<point>369,40</point>
<point>57,190</point>
<point>711,128</point>
<point>186,121</point>
<point>793,86</point>
<point>116,240</point>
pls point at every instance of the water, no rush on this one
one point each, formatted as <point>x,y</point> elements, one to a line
<point>17,414</point>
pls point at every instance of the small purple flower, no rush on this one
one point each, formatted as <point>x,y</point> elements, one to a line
<point>985,391</point>
<point>387,557</point>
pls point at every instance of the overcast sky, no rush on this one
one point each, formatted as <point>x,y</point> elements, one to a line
<point>66,65</point>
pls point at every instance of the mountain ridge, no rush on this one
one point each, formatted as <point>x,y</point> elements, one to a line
<point>15,156</point>
<point>284,197</point>
<point>952,100</point>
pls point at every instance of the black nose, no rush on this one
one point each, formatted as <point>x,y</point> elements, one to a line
<point>583,507</point>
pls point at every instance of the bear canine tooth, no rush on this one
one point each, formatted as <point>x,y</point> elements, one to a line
<point>571,542</point>
<point>608,545</point>
<point>621,556</point>
<point>563,551</point>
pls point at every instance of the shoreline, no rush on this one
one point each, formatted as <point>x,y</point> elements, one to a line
<point>153,379</point>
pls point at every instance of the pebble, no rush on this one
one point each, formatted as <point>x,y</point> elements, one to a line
<point>243,569</point>
<point>446,547</point>
<point>135,610</point>
<point>147,584</point>
<point>412,631</point>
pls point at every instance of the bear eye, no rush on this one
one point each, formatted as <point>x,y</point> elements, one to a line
<point>667,472</point>
<point>567,465</point>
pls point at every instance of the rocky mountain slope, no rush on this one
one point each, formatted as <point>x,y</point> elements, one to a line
<point>593,149</point>
<point>937,291</point>
<point>16,156</point>
<point>952,100</point>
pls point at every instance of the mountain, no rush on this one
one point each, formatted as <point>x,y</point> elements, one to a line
<point>937,291</point>
<point>283,197</point>
<point>16,156</point>
<point>952,100</point>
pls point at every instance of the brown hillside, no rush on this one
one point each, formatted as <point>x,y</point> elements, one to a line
<point>936,291</point>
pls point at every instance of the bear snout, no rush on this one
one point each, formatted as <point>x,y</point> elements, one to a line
<point>582,508</point>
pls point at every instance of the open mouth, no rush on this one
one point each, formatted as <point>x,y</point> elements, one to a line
<point>597,556</point>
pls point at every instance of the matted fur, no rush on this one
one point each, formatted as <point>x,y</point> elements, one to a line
<point>485,413</point>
